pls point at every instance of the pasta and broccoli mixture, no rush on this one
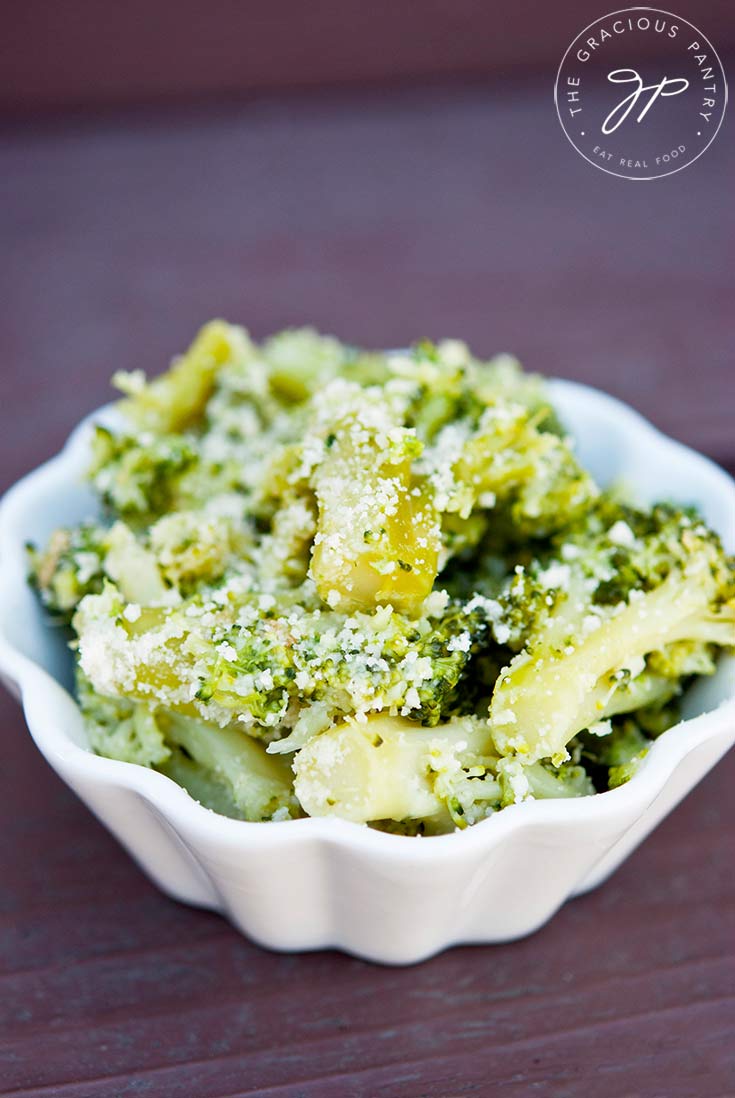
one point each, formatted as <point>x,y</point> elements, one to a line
<point>381,587</point>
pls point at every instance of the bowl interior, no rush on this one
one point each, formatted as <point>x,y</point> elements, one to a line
<point>614,442</point>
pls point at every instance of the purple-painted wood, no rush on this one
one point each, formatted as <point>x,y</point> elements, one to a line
<point>85,54</point>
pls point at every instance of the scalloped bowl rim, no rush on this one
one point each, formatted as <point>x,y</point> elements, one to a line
<point>36,687</point>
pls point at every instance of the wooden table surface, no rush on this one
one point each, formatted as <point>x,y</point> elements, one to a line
<point>382,218</point>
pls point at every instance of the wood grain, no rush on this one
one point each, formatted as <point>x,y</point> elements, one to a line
<point>86,54</point>
<point>382,218</point>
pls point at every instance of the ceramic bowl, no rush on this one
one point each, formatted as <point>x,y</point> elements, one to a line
<point>315,883</point>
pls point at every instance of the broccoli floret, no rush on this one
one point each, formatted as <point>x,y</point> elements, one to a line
<point>193,548</point>
<point>588,658</point>
<point>300,361</point>
<point>121,728</point>
<point>529,474</point>
<point>419,667</point>
<point>222,766</point>
<point>182,551</point>
<point>139,477</point>
<point>452,386</point>
<point>442,376</point>
<point>245,655</point>
<point>70,567</point>
<point>540,781</point>
<point>507,467</point>
<point>450,776</point>
<point>619,775</point>
<point>620,752</point>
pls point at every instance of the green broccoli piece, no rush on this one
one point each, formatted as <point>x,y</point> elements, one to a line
<point>494,449</point>
<point>528,474</point>
<point>70,567</point>
<point>223,767</point>
<point>540,781</point>
<point>300,361</point>
<point>121,728</point>
<point>614,754</point>
<point>384,659</point>
<point>619,775</point>
<point>139,477</point>
<point>589,657</point>
<point>245,655</point>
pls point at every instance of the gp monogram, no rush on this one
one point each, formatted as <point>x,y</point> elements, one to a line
<point>640,93</point>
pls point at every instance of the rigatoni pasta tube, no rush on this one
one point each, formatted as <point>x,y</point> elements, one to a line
<point>378,535</point>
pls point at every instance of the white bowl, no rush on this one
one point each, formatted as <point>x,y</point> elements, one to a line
<point>314,883</point>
